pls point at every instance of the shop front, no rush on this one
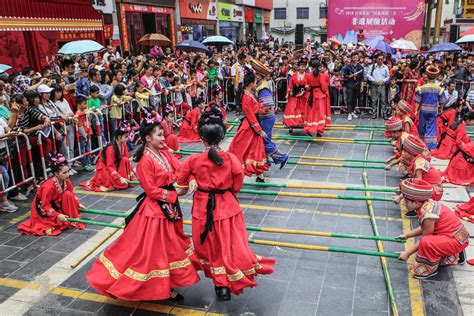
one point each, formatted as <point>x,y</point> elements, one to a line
<point>258,18</point>
<point>198,19</point>
<point>230,18</point>
<point>137,20</point>
<point>266,22</point>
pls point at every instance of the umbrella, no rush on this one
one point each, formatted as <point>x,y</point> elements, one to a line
<point>4,68</point>
<point>334,40</point>
<point>217,40</point>
<point>153,39</point>
<point>80,47</point>
<point>466,39</point>
<point>403,44</point>
<point>192,46</point>
<point>373,41</point>
<point>468,32</point>
<point>445,47</point>
<point>384,47</point>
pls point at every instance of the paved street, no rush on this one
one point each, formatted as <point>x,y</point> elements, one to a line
<point>36,277</point>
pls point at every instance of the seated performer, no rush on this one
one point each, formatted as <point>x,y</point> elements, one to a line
<point>448,117</point>
<point>113,169</point>
<point>153,255</point>
<point>443,237</point>
<point>466,211</point>
<point>171,139</point>
<point>54,203</point>
<point>394,130</point>
<point>219,233</point>
<point>453,137</point>
<point>248,144</point>
<point>188,130</point>
<point>297,98</point>
<point>460,169</point>
<point>267,119</point>
<point>404,111</point>
<point>217,97</point>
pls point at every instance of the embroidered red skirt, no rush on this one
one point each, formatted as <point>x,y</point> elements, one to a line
<point>104,180</point>
<point>188,134</point>
<point>294,111</point>
<point>226,256</point>
<point>152,256</point>
<point>459,170</point>
<point>466,211</point>
<point>315,115</point>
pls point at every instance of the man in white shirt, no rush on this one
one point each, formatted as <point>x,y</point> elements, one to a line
<point>378,76</point>
<point>237,73</point>
<point>451,95</point>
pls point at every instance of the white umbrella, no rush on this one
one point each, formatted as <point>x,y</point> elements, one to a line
<point>403,44</point>
<point>80,47</point>
<point>466,39</point>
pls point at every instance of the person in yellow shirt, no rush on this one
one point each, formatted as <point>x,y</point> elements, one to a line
<point>116,113</point>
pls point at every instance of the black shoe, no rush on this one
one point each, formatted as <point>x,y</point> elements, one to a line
<point>177,298</point>
<point>462,257</point>
<point>290,130</point>
<point>319,135</point>
<point>223,293</point>
<point>405,177</point>
<point>410,214</point>
<point>284,162</point>
<point>260,180</point>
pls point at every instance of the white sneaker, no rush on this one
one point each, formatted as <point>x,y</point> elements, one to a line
<point>8,207</point>
<point>349,117</point>
<point>29,189</point>
<point>72,172</point>
<point>19,197</point>
<point>354,115</point>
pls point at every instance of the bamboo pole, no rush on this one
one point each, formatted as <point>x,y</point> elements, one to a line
<point>337,165</point>
<point>86,221</point>
<point>320,187</point>
<point>317,195</point>
<point>101,212</point>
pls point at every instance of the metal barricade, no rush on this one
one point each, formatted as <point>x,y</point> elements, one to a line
<point>278,83</point>
<point>13,178</point>
<point>228,86</point>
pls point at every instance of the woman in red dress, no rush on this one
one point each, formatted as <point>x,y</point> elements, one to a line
<point>171,139</point>
<point>113,170</point>
<point>410,77</point>
<point>466,211</point>
<point>460,169</point>
<point>297,98</point>
<point>153,255</point>
<point>188,130</point>
<point>315,110</point>
<point>54,202</point>
<point>326,78</point>
<point>247,143</point>
<point>218,96</point>
<point>405,112</point>
<point>453,138</point>
<point>219,232</point>
<point>447,118</point>
<point>443,237</point>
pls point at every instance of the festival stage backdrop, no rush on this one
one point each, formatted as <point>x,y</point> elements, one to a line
<point>392,19</point>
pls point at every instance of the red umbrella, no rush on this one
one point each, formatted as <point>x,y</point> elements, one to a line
<point>468,32</point>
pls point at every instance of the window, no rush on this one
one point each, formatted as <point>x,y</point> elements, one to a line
<point>323,12</point>
<point>280,13</point>
<point>302,13</point>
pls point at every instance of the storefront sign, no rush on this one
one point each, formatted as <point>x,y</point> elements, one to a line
<point>266,16</point>
<point>198,9</point>
<point>69,36</point>
<point>258,15</point>
<point>392,18</point>
<point>263,4</point>
<point>146,9</point>
<point>104,6</point>
<point>468,9</point>
<point>123,22</point>
<point>108,31</point>
<point>230,12</point>
<point>249,15</point>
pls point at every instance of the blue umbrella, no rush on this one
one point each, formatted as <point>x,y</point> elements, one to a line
<point>219,40</point>
<point>445,47</point>
<point>4,68</point>
<point>80,47</point>
<point>192,46</point>
<point>384,47</point>
<point>373,41</point>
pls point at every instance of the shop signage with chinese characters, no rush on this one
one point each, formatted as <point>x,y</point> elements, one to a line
<point>230,12</point>
<point>104,6</point>
<point>198,9</point>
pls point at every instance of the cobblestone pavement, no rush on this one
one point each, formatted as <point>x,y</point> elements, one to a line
<point>36,277</point>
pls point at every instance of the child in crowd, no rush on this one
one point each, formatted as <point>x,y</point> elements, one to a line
<point>188,132</point>
<point>83,133</point>
<point>393,97</point>
<point>93,104</point>
<point>116,111</point>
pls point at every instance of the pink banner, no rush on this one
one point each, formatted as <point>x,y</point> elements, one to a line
<point>392,19</point>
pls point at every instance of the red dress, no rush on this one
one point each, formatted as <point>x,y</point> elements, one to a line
<point>225,253</point>
<point>466,211</point>
<point>51,200</point>
<point>247,145</point>
<point>316,108</point>
<point>107,174</point>
<point>408,88</point>
<point>430,175</point>
<point>295,107</point>
<point>328,101</point>
<point>460,169</point>
<point>450,141</point>
<point>188,131</point>
<point>449,238</point>
<point>445,120</point>
<point>153,255</point>
<point>171,139</point>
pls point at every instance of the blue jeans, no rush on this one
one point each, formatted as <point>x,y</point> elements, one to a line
<point>271,148</point>
<point>5,178</point>
<point>427,128</point>
<point>85,148</point>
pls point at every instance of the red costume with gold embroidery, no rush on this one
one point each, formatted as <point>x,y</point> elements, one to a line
<point>171,139</point>
<point>430,175</point>
<point>153,255</point>
<point>460,169</point>
<point>51,200</point>
<point>188,131</point>
<point>315,115</point>
<point>295,107</point>
<point>450,141</point>
<point>107,174</point>
<point>223,250</point>
<point>445,120</point>
<point>466,211</point>
<point>247,144</point>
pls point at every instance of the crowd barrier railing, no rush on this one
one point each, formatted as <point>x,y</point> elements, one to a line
<point>278,102</point>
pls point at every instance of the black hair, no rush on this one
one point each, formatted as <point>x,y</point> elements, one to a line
<point>26,71</point>
<point>212,130</point>
<point>169,74</point>
<point>18,98</point>
<point>315,65</point>
<point>413,64</point>
<point>249,78</point>
<point>241,56</point>
<point>145,130</point>
<point>468,116</point>
<point>57,88</point>
<point>80,99</point>
<point>119,90</point>
<point>94,89</point>
<point>93,72</point>
<point>30,95</point>
<point>55,165</point>
<point>117,156</point>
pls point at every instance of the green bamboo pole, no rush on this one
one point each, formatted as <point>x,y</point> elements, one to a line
<point>86,221</point>
<point>380,248</point>
<point>322,187</point>
<point>317,195</point>
<point>101,212</point>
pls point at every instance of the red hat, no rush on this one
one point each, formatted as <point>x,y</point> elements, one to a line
<point>414,145</point>
<point>394,124</point>
<point>432,72</point>
<point>404,107</point>
<point>416,190</point>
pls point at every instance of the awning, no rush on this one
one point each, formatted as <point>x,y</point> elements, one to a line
<point>49,15</point>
